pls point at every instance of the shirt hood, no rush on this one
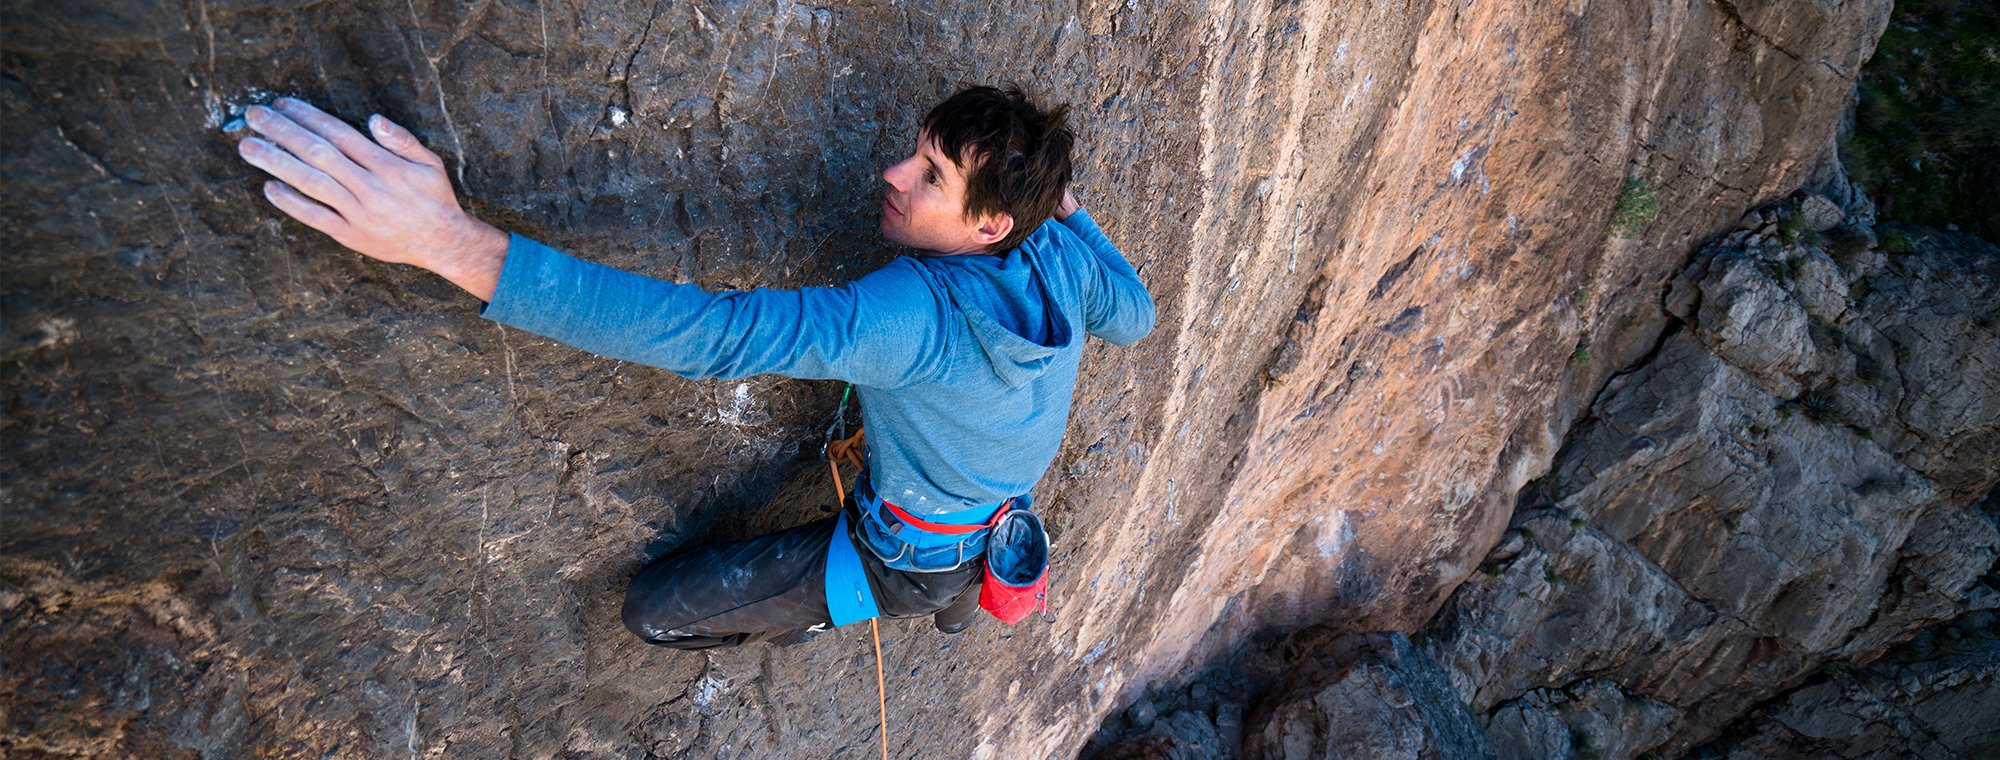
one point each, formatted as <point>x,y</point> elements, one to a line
<point>1018,323</point>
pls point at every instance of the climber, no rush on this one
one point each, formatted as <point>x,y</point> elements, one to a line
<point>964,357</point>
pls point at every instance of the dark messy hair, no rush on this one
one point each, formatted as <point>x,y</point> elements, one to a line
<point>1020,154</point>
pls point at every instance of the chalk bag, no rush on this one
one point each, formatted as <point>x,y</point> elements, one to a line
<point>1017,567</point>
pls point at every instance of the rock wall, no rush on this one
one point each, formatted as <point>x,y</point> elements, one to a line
<point>1766,499</point>
<point>1936,696</point>
<point>1723,552</point>
<point>1388,700</point>
<point>260,496</point>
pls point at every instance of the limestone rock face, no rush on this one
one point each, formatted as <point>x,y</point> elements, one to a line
<point>1729,521</point>
<point>1752,322</point>
<point>1934,697</point>
<point>259,496</point>
<point>1592,717</point>
<point>1389,700</point>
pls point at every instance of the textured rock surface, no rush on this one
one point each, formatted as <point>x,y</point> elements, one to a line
<point>1766,495</point>
<point>1389,700</point>
<point>1937,696</point>
<point>1589,718</point>
<point>259,496</point>
<point>1323,695</point>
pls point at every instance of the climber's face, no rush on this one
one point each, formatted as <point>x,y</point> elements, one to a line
<point>924,205</point>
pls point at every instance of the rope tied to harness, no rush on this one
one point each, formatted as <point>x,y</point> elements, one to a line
<point>847,450</point>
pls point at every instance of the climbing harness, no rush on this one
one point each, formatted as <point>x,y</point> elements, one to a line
<point>912,544</point>
<point>1012,544</point>
<point>849,599</point>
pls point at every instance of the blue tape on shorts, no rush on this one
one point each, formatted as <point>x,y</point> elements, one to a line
<point>848,597</point>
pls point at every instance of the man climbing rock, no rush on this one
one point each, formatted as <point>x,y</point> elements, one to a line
<point>964,356</point>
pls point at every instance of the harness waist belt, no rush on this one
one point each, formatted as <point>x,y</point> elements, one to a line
<point>931,527</point>
<point>932,532</point>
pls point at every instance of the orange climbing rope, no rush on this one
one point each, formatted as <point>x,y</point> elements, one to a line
<point>845,450</point>
<point>850,449</point>
<point>881,692</point>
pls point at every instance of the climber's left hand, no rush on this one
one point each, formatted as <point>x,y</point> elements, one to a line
<point>388,197</point>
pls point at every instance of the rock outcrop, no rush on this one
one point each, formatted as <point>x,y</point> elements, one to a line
<point>1323,695</point>
<point>1786,485</point>
<point>1936,696</point>
<point>1390,701</point>
<point>1725,548</point>
<point>261,496</point>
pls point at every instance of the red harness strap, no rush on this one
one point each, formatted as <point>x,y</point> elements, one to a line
<point>949,530</point>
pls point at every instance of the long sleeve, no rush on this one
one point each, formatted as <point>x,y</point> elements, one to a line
<point>880,331</point>
<point>1117,306</point>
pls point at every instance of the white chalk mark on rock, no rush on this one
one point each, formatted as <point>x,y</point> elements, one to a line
<point>95,165</point>
<point>410,726</point>
<point>739,410</point>
<point>210,30</point>
<point>437,81</point>
<point>507,353</point>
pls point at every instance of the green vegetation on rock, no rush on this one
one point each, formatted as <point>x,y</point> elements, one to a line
<point>1793,226</point>
<point>1636,208</point>
<point>1820,406</point>
<point>1896,240</point>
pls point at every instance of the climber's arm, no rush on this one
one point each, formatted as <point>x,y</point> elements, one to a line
<point>387,198</point>
<point>1117,306</point>
<point>881,331</point>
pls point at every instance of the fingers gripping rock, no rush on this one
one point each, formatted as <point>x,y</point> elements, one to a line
<point>399,141</point>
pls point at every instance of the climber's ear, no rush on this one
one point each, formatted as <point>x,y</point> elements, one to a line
<point>993,228</point>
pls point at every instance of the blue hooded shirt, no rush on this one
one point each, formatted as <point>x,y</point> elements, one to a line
<point>965,365</point>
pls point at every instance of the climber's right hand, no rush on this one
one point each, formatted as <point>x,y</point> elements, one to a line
<point>1067,206</point>
<point>386,198</point>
